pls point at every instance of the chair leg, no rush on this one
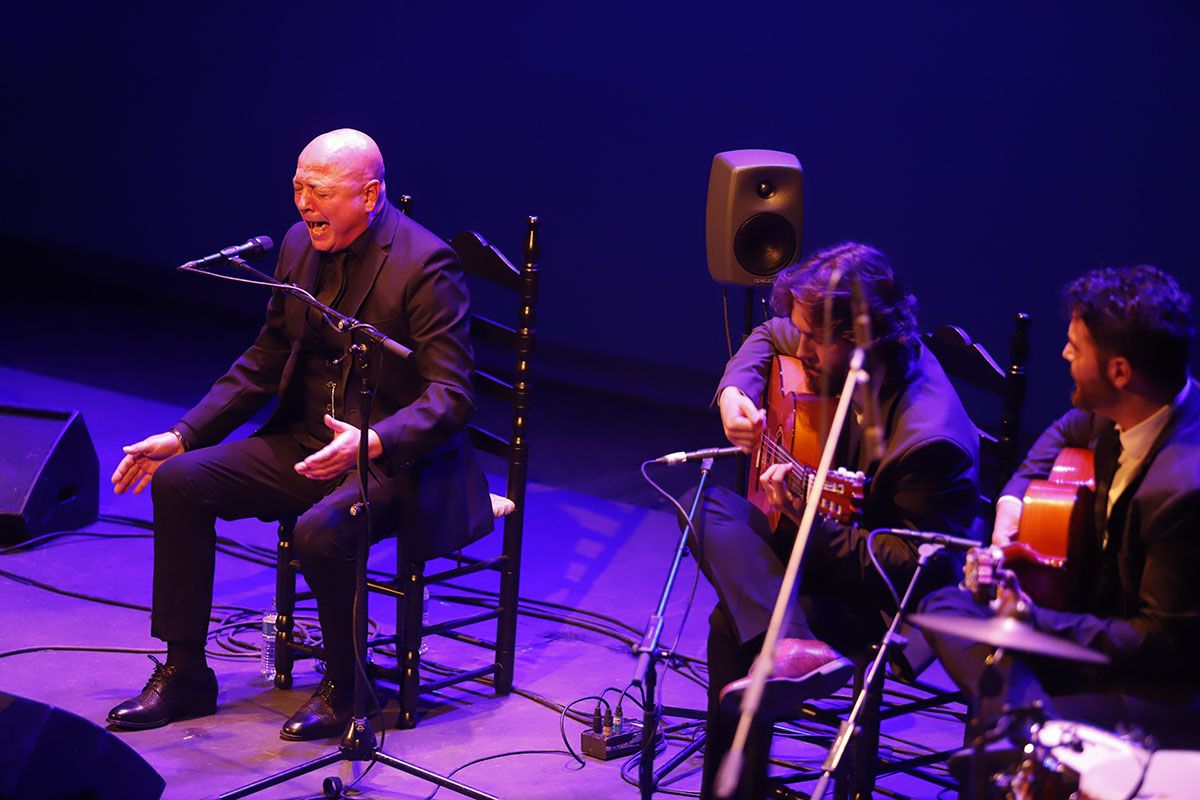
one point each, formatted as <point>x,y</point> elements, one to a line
<point>285,604</point>
<point>506,624</point>
<point>409,650</point>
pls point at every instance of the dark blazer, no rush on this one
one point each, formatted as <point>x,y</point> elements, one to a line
<point>1148,620</point>
<point>928,478</point>
<point>410,286</point>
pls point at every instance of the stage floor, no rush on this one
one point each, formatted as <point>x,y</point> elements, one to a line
<point>595,539</point>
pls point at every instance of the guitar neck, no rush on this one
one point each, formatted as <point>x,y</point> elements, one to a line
<point>841,494</point>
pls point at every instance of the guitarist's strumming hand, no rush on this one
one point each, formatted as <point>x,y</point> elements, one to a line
<point>1008,520</point>
<point>742,419</point>
<point>775,485</point>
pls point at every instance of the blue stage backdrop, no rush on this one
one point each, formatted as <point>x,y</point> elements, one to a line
<point>994,149</point>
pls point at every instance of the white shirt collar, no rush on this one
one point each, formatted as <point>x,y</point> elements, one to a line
<point>1136,441</point>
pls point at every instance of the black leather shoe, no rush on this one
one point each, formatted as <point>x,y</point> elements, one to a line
<point>326,714</point>
<point>170,694</point>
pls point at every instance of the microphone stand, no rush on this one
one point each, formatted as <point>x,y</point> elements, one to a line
<point>874,674</point>
<point>358,742</point>
<point>645,673</point>
<point>731,766</point>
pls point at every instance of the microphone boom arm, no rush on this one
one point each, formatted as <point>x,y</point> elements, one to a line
<point>342,322</point>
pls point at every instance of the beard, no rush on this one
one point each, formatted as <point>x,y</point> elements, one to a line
<point>821,382</point>
<point>1098,392</point>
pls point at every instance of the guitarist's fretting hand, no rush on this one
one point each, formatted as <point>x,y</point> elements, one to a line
<point>1011,600</point>
<point>742,419</point>
<point>774,483</point>
<point>985,577</point>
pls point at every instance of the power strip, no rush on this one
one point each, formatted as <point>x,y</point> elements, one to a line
<point>615,744</point>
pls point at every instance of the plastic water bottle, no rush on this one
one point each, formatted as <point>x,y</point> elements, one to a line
<point>266,663</point>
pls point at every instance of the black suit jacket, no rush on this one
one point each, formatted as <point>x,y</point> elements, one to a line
<point>928,478</point>
<point>410,286</point>
<point>1148,622</point>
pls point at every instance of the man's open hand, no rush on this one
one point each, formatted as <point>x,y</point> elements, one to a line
<point>341,455</point>
<point>143,459</point>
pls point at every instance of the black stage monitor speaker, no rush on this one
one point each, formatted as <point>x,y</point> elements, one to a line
<point>49,474</point>
<point>50,754</point>
<point>755,215</point>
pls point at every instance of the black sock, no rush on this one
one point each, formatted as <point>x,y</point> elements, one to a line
<point>186,656</point>
<point>340,670</point>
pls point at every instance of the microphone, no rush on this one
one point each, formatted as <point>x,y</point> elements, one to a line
<point>698,455</point>
<point>259,244</point>
<point>872,424</point>
<point>926,537</point>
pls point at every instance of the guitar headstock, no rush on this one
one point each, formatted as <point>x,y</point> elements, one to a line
<point>841,499</point>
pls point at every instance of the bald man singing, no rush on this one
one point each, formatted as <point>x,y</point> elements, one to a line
<point>357,253</point>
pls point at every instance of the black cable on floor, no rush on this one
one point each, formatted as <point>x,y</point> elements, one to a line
<point>225,636</point>
<point>493,757</point>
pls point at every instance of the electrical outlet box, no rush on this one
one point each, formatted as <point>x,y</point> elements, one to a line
<point>617,744</point>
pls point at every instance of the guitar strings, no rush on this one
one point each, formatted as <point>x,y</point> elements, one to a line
<point>802,477</point>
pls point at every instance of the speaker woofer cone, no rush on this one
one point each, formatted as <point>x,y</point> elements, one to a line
<point>765,244</point>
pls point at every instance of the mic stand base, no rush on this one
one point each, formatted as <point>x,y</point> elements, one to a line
<point>358,744</point>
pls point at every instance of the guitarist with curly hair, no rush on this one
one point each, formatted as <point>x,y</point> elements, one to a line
<point>926,478</point>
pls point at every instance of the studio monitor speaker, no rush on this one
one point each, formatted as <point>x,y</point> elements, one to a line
<point>51,754</point>
<point>755,215</point>
<point>49,474</point>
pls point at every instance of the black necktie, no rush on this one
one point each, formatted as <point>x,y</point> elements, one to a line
<point>1107,458</point>
<point>332,280</point>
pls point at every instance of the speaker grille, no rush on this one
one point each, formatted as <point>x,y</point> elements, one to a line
<point>765,244</point>
<point>27,442</point>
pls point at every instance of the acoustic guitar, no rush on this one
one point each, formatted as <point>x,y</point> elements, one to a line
<point>792,436</point>
<point>1056,512</point>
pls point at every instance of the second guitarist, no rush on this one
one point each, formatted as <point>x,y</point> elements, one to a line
<point>1132,590</point>
<point>927,479</point>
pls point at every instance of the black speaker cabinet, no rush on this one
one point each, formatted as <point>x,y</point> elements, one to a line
<point>49,474</point>
<point>755,215</point>
<point>51,754</point>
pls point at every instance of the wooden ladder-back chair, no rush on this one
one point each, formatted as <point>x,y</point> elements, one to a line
<point>969,363</point>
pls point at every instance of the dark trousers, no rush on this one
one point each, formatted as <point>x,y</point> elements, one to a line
<point>839,601</point>
<point>840,595</point>
<point>1065,689</point>
<point>729,659</point>
<point>255,477</point>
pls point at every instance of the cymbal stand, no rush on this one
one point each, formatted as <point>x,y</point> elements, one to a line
<point>872,681</point>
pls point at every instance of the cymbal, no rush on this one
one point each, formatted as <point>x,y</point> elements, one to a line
<point>1009,633</point>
